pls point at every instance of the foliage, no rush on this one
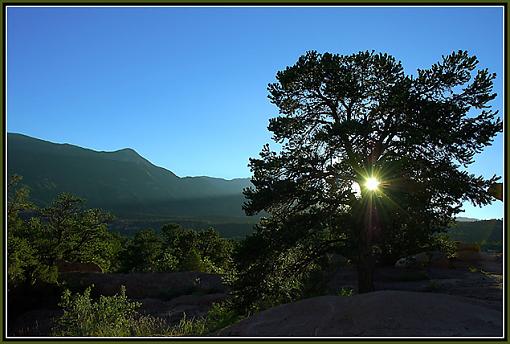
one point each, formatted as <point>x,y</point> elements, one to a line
<point>189,327</point>
<point>192,261</point>
<point>346,292</point>
<point>488,233</point>
<point>109,316</point>
<point>144,251</point>
<point>24,263</point>
<point>344,119</point>
<point>38,238</point>
<point>443,243</point>
<point>177,249</point>
<point>74,234</point>
<point>289,271</point>
<point>219,316</point>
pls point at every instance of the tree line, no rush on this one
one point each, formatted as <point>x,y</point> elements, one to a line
<point>40,238</point>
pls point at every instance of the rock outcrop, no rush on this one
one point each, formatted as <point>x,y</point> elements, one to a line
<point>377,314</point>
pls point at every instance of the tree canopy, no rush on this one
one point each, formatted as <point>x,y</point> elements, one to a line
<point>344,119</point>
<point>40,238</point>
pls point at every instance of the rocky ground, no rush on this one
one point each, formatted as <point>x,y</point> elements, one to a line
<point>386,313</point>
<point>464,299</point>
<point>481,280</point>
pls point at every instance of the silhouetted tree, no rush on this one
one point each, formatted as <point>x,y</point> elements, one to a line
<point>344,119</point>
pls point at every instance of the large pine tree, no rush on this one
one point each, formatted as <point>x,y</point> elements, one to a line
<point>346,119</point>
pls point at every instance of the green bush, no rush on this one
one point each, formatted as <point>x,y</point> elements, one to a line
<point>219,316</point>
<point>444,243</point>
<point>177,249</point>
<point>109,316</point>
<point>192,261</point>
<point>193,327</point>
<point>346,292</point>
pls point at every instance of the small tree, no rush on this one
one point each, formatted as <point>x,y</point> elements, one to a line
<point>71,233</point>
<point>144,252</point>
<point>346,120</point>
<point>38,238</point>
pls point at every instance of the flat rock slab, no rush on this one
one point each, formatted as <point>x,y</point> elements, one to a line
<point>379,314</point>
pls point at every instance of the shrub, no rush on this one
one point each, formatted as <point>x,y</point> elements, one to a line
<point>109,316</point>
<point>192,261</point>
<point>219,316</point>
<point>444,243</point>
<point>193,327</point>
<point>346,292</point>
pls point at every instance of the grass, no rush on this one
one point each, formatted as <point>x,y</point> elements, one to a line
<point>473,269</point>
<point>219,316</point>
<point>345,292</point>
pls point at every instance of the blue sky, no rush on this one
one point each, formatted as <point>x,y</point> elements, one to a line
<point>186,87</point>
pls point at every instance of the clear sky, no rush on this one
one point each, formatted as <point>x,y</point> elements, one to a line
<point>186,87</point>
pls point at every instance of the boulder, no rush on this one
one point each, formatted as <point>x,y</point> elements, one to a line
<point>406,263</point>
<point>468,256</point>
<point>488,257</point>
<point>467,247</point>
<point>442,263</point>
<point>422,258</point>
<point>439,259</point>
<point>377,314</point>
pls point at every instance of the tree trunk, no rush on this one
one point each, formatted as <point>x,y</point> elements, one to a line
<point>366,260</point>
<point>365,269</point>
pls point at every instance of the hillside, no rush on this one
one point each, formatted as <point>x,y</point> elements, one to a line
<point>487,233</point>
<point>123,182</point>
<point>142,195</point>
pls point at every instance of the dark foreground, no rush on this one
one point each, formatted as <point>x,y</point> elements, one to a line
<point>464,300</point>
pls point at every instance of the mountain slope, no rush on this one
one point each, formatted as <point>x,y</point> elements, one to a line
<point>121,181</point>
<point>487,233</point>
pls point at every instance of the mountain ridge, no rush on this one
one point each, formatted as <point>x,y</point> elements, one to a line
<point>118,180</point>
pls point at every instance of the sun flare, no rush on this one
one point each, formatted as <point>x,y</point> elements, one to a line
<point>372,184</point>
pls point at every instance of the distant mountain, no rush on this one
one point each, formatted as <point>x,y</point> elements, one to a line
<point>465,219</point>
<point>487,233</point>
<point>121,181</point>
<point>143,195</point>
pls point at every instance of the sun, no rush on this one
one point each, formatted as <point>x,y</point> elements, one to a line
<point>372,184</point>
